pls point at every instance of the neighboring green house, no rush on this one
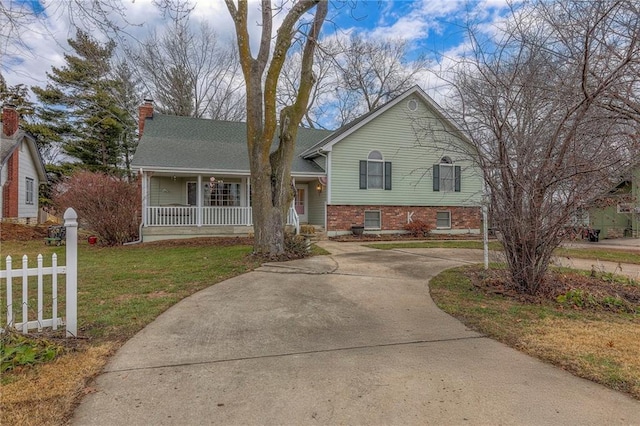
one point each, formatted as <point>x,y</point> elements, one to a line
<point>617,215</point>
<point>404,161</point>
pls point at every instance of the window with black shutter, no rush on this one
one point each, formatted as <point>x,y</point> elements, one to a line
<point>375,173</point>
<point>446,176</point>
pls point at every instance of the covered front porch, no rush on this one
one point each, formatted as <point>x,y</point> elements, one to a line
<point>186,205</point>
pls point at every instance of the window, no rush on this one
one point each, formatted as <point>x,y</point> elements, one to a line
<point>625,208</point>
<point>446,176</point>
<point>443,220</point>
<point>224,194</point>
<point>375,173</point>
<point>192,193</point>
<point>372,219</point>
<point>29,196</point>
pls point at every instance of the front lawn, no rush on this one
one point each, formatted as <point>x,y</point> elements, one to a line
<point>120,290</point>
<point>612,255</point>
<point>586,330</point>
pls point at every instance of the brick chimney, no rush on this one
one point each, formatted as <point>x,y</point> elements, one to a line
<point>10,119</point>
<point>144,111</point>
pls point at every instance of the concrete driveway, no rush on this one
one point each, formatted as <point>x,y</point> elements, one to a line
<point>351,338</point>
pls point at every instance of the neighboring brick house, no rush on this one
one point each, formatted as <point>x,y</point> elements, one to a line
<point>401,162</point>
<point>21,171</point>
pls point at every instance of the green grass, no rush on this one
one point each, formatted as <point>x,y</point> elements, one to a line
<point>121,289</point>
<point>493,245</point>
<point>611,255</point>
<point>598,345</point>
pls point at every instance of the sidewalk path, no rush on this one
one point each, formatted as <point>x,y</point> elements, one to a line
<point>352,338</point>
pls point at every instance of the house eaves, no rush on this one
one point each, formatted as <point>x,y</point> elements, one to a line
<point>327,143</point>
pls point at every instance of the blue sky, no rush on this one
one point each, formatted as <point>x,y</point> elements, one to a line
<point>434,27</point>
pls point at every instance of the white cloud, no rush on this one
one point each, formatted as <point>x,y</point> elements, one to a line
<point>429,25</point>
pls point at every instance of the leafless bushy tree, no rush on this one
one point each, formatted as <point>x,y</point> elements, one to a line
<point>550,106</point>
<point>188,73</point>
<point>110,206</point>
<point>353,77</point>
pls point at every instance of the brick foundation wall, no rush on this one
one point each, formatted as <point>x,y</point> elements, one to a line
<point>393,218</point>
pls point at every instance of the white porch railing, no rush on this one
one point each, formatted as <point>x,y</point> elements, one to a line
<point>226,216</point>
<point>172,216</point>
<point>294,219</point>
<point>206,216</point>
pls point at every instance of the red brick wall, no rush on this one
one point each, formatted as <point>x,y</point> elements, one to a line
<point>10,189</point>
<point>144,111</point>
<point>10,120</point>
<point>393,218</point>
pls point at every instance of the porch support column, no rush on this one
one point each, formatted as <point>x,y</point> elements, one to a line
<point>199,201</point>
<point>293,202</point>
<point>247,202</point>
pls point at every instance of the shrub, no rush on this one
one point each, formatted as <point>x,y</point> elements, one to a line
<point>107,205</point>
<point>307,229</point>
<point>418,228</point>
<point>295,246</point>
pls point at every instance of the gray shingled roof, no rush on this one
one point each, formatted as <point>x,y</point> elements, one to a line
<point>9,144</point>
<point>6,146</point>
<point>201,144</point>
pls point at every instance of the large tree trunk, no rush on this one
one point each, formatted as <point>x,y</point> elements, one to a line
<point>271,188</point>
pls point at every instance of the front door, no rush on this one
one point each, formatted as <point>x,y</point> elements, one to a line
<point>301,203</point>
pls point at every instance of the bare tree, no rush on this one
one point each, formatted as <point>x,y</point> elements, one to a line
<point>271,188</point>
<point>549,106</point>
<point>15,16</point>
<point>188,73</point>
<point>371,72</point>
<point>321,98</point>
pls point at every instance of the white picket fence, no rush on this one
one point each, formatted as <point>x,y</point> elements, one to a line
<point>71,286</point>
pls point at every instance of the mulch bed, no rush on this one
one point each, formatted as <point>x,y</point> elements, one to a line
<point>404,237</point>
<point>573,290</point>
<point>204,241</point>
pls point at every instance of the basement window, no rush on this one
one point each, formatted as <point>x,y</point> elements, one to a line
<point>372,219</point>
<point>443,220</point>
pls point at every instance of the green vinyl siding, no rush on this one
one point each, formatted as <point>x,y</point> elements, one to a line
<point>610,223</point>
<point>315,208</point>
<point>413,141</point>
<point>164,191</point>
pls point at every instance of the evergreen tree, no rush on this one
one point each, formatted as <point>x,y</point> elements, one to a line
<point>78,104</point>
<point>126,92</point>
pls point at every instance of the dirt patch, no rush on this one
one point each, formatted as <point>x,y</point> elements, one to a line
<point>19,232</point>
<point>208,241</point>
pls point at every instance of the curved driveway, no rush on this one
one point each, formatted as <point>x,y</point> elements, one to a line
<point>351,338</point>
